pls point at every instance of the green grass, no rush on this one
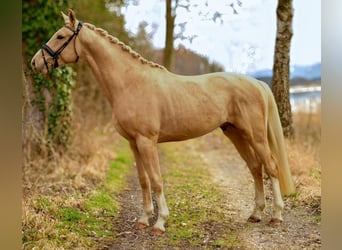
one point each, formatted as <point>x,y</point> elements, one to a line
<point>81,221</point>
<point>318,218</point>
<point>294,195</point>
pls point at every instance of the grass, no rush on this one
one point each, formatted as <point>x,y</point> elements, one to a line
<point>196,205</point>
<point>81,220</point>
<point>318,218</point>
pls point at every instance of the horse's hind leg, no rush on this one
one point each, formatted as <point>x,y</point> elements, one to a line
<point>261,147</point>
<point>254,165</point>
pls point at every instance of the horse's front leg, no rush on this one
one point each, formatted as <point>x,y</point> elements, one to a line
<point>148,153</point>
<point>145,188</point>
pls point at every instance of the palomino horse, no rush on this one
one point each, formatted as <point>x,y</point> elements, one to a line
<point>152,105</point>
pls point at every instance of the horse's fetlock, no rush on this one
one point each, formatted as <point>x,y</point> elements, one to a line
<point>164,216</point>
<point>157,188</point>
<point>149,213</point>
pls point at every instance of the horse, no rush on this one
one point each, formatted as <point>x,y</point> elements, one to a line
<point>151,105</point>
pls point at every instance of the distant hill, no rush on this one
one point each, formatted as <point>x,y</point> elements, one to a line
<point>294,81</point>
<point>310,72</point>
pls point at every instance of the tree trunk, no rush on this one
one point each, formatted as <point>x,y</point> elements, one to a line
<point>32,121</point>
<point>170,24</point>
<point>281,67</point>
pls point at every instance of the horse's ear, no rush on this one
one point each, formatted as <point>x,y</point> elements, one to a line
<point>72,18</point>
<point>66,18</point>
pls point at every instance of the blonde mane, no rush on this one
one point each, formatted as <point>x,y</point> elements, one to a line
<point>123,46</point>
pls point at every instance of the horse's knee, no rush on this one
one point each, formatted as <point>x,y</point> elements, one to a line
<point>144,183</point>
<point>255,168</point>
<point>157,187</point>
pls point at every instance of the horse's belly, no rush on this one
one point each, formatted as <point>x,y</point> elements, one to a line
<point>178,131</point>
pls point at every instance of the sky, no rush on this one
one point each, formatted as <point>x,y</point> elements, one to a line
<point>241,42</point>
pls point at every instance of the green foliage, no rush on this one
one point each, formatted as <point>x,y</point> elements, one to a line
<point>41,19</point>
<point>59,115</point>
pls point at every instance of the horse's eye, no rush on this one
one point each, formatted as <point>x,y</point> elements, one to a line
<point>60,37</point>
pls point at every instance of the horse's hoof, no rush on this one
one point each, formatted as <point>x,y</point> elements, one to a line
<point>142,226</point>
<point>275,222</point>
<point>253,219</point>
<point>157,232</point>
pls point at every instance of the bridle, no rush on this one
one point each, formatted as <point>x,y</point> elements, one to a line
<point>55,54</point>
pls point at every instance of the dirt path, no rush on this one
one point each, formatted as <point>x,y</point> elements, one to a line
<point>129,237</point>
<point>300,230</point>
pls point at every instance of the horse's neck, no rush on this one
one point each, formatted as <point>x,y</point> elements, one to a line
<point>114,68</point>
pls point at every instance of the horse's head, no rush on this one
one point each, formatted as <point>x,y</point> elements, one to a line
<point>62,47</point>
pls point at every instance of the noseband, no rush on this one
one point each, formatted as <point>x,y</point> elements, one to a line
<point>55,54</point>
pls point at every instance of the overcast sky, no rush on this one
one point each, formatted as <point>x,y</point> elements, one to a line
<point>242,42</point>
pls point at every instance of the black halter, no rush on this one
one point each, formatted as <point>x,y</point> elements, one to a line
<point>55,54</point>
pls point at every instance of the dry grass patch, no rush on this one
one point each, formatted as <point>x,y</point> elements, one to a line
<point>304,155</point>
<point>69,200</point>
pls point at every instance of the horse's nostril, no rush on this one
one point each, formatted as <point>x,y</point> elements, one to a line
<point>33,63</point>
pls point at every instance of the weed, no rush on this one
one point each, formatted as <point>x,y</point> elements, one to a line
<point>318,218</point>
<point>69,214</point>
<point>294,195</point>
<point>228,241</point>
<point>42,203</point>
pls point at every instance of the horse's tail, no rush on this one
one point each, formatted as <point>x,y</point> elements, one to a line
<point>277,145</point>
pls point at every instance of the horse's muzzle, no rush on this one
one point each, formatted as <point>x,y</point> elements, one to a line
<point>38,66</point>
<point>33,64</point>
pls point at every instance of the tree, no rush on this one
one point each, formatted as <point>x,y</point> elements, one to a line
<point>143,40</point>
<point>170,25</point>
<point>171,12</point>
<point>47,100</point>
<point>105,14</point>
<point>281,66</point>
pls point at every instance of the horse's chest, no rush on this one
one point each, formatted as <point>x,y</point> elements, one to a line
<point>122,128</point>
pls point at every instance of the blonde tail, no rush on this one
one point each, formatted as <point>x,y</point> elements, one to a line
<point>277,145</point>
